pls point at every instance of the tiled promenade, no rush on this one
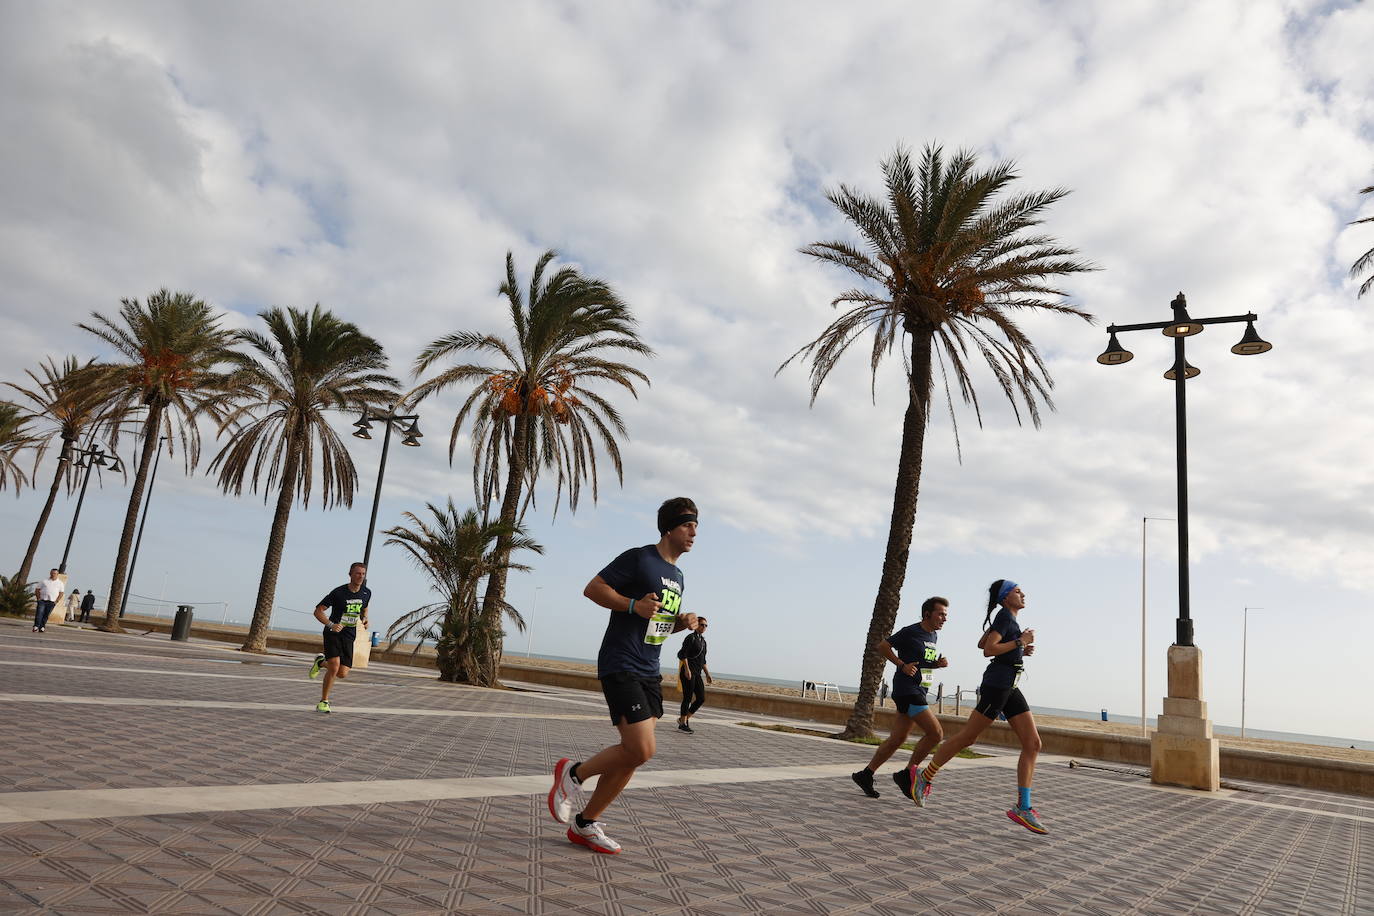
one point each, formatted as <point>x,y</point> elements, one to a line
<point>145,776</point>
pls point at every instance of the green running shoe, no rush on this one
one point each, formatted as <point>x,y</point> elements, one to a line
<point>1028,818</point>
<point>322,706</point>
<point>315,668</point>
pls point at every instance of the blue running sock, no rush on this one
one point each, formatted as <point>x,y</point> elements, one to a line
<point>1023,797</point>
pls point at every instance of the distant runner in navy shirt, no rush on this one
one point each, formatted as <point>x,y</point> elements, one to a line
<point>340,611</point>
<point>912,650</point>
<point>642,588</point>
<point>1000,694</point>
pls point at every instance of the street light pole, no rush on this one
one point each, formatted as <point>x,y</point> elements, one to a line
<point>1144,729</point>
<point>412,438</point>
<point>1244,653</point>
<point>138,541</point>
<point>93,456</point>
<point>529,629</point>
<point>1183,751</point>
<point>1181,327</point>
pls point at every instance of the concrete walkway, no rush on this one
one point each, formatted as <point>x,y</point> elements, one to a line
<point>145,776</point>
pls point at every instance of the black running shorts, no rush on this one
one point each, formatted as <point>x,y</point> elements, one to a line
<point>911,704</point>
<point>1006,701</point>
<point>340,645</point>
<point>633,698</point>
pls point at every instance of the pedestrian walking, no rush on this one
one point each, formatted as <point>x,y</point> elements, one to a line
<point>46,596</point>
<point>642,588</point>
<point>340,611</point>
<point>882,694</point>
<point>74,605</point>
<point>912,650</point>
<point>87,605</point>
<point>692,674</point>
<point>1007,645</point>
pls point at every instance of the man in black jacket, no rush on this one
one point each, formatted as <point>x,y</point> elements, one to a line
<point>691,670</point>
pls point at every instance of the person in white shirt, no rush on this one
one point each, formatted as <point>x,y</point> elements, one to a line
<point>74,604</point>
<point>46,596</point>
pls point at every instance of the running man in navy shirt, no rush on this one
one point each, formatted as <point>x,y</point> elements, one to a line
<point>642,588</point>
<point>1006,644</point>
<point>340,611</point>
<point>912,650</point>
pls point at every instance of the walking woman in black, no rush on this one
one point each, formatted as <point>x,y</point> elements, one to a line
<point>1006,644</point>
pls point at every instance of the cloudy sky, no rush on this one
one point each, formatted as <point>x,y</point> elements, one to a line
<point>382,159</point>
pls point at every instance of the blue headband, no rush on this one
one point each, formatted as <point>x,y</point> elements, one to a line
<point>1005,590</point>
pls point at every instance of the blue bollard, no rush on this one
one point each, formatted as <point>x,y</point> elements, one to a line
<point>1104,715</point>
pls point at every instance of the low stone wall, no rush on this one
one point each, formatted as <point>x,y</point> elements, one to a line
<point>1256,766</point>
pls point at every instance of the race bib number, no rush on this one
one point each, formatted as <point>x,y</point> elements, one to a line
<point>1016,680</point>
<point>660,628</point>
<point>352,611</point>
<point>927,678</point>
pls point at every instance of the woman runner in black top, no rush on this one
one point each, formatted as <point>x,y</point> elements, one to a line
<point>1005,643</point>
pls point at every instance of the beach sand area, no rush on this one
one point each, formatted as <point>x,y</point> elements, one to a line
<point>1091,725</point>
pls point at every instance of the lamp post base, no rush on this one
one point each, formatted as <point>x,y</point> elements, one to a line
<point>1183,751</point>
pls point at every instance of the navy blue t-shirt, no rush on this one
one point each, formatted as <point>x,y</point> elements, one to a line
<point>913,644</point>
<point>342,601</point>
<point>1002,669</point>
<point>627,645</point>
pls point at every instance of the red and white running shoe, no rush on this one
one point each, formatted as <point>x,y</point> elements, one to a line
<point>593,837</point>
<point>565,794</point>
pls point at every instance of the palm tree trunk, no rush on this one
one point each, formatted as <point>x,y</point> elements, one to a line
<point>23,576</point>
<point>126,539</point>
<point>889,599</point>
<point>490,612</point>
<point>271,563</point>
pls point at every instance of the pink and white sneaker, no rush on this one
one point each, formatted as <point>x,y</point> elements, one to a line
<point>593,837</point>
<point>565,794</point>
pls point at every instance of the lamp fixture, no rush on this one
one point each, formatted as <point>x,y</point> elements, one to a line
<point>1115,354</point>
<point>1183,326</point>
<point>1189,371</point>
<point>1251,344</point>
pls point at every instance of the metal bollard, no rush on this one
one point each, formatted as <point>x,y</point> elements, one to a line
<point>181,625</point>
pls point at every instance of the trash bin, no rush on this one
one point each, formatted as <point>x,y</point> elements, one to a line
<point>1104,715</point>
<point>376,639</point>
<point>181,626</point>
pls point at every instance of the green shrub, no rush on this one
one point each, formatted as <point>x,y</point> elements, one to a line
<point>16,598</point>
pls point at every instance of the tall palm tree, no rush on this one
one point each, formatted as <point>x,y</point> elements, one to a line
<point>66,402</point>
<point>944,263</point>
<point>458,552</point>
<point>309,364</point>
<point>1366,260</point>
<point>170,359</point>
<point>534,407</point>
<point>15,437</point>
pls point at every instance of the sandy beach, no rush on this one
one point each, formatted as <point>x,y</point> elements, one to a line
<point>1322,751</point>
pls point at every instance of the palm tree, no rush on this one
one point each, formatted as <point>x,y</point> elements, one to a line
<point>944,266</point>
<point>458,552</point>
<point>171,352</point>
<point>1366,260</point>
<point>67,401</point>
<point>533,407</point>
<point>312,363</point>
<point>15,437</point>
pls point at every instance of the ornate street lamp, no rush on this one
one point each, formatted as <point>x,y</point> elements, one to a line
<point>1183,750</point>
<point>87,459</point>
<point>411,437</point>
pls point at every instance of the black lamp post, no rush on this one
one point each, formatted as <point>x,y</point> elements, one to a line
<point>1180,328</point>
<point>89,458</point>
<point>138,542</point>
<point>412,438</point>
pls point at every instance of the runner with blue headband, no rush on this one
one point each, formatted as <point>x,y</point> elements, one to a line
<point>1006,644</point>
